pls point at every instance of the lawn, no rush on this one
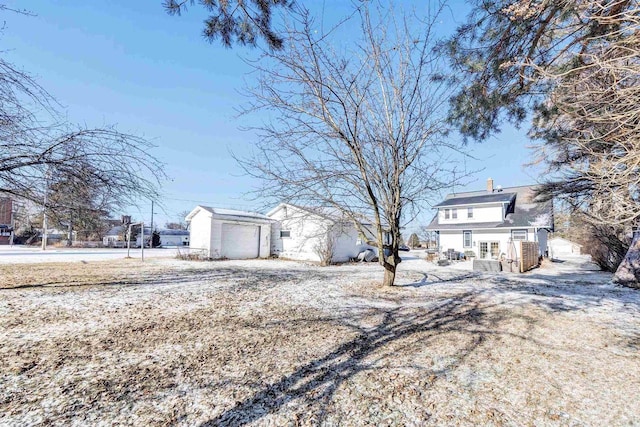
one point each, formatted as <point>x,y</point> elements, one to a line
<point>283,343</point>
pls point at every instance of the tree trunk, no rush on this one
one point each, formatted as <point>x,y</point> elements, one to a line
<point>628,273</point>
<point>70,235</point>
<point>389,274</point>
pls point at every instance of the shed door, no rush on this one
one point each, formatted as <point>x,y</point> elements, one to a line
<point>240,241</point>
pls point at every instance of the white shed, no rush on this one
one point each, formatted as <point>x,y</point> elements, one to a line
<point>559,246</point>
<point>227,233</point>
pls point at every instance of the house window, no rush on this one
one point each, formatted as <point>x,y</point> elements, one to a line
<point>519,235</point>
<point>285,233</point>
<point>469,212</point>
<point>466,238</point>
<point>454,213</point>
<point>447,214</point>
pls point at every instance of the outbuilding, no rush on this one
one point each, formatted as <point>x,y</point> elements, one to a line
<point>559,246</point>
<point>227,233</point>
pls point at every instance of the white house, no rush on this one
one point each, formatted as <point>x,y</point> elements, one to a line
<point>304,233</point>
<point>490,223</point>
<point>559,246</point>
<point>232,234</point>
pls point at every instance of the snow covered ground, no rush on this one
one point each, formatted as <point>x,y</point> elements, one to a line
<point>31,254</point>
<point>269,342</point>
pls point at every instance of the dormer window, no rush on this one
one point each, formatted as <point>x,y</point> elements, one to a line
<point>447,213</point>
<point>454,213</point>
<point>469,213</point>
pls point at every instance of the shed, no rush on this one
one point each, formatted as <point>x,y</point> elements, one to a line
<point>560,246</point>
<point>227,233</point>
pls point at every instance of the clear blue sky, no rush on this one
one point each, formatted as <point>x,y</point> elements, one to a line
<point>128,63</point>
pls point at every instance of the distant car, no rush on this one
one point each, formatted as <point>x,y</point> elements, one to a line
<point>404,248</point>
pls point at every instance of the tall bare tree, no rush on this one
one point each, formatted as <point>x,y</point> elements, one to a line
<point>576,65</point>
<point>355,125</point>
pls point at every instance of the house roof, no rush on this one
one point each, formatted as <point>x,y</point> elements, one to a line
<point>114,231</point>
<point>526,212</point>
<point>500,197</point>
<point>227,212</point>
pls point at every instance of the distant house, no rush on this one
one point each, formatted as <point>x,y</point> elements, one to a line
<point>114,237</point>
<point>302,233</point>
<point>559,246</point>
<point>491,222</point>
<point>174,237</point>
<point>227,233</point>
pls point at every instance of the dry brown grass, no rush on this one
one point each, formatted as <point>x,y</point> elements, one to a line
<point>233,344</point>
<point>72,274</point>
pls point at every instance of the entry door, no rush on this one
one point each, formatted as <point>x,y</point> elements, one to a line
<point>492,248</point>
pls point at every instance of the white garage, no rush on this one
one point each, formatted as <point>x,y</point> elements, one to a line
<point>226,233</point>
<point>559,246</point>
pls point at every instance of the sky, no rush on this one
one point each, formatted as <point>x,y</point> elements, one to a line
<point>127,63</point>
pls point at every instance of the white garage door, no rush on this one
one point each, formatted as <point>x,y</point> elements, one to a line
<point>240,241</point>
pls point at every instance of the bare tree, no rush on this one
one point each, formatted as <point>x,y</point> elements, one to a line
<point>325,245</point>
<point>357,125</point>
<point>37,146</point>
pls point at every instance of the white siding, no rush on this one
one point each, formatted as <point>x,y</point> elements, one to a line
<point>307,232</point>
<point>200,232</point>
<point>482,213</point>
<point>454,240</point>
<point>345,238</point>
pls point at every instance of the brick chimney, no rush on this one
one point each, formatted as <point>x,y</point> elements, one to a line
<point>489,185</point>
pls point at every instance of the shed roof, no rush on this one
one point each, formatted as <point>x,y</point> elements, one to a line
<point>227,212</point>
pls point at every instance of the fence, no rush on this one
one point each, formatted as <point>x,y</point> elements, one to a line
<point>529,255</point>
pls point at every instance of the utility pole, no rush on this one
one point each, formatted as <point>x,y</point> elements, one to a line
<point>13,224</point>
<point>151,245</point>
<point>44,211</point>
